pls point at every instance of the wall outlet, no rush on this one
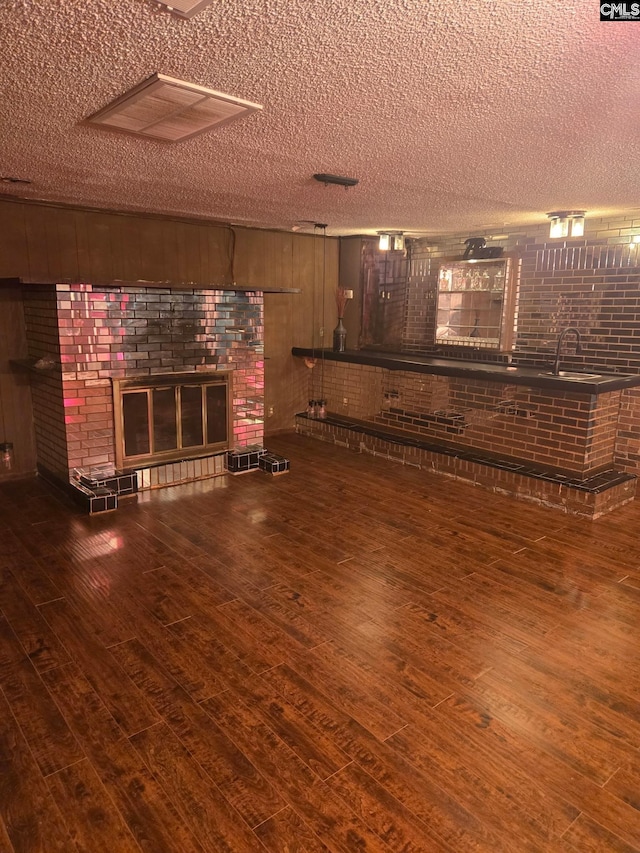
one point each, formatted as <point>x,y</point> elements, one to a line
<point>270,412</point>
<point>345,401</point>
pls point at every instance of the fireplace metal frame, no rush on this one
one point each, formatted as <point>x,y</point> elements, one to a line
<point>158,381</point>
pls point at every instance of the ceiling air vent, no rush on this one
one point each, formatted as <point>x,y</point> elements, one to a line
<point>184,8</point>
<point>170,110</point>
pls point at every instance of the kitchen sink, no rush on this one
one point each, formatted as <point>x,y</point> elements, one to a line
<point>569,374</point>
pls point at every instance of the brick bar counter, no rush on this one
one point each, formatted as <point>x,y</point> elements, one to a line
<point>545,428</point>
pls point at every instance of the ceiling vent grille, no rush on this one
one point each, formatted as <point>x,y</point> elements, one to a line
<point>170,110</point>
<point>184,8</point>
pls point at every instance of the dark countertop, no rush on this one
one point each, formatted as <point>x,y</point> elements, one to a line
<point>537,377</point>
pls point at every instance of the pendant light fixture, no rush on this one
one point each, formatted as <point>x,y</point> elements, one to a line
<point>320,402</point>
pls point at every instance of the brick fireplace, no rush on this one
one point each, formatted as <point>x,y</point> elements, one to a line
<point>83,337</point>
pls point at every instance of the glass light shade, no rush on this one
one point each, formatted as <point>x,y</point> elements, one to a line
<point>398,242</point>
<point>384,242</point>
<point>577,226</point>
<point>559,226</point>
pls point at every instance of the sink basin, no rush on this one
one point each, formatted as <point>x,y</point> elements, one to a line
<point>569,374</point>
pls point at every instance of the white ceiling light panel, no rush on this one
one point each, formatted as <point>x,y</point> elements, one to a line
<point>170,110</point>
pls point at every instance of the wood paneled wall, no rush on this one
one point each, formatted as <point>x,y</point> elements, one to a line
<point>39,241</point>
<point>16,421</point>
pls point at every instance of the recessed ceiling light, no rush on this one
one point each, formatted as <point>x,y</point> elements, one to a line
<point>184,8</point>
<point>170,110</point>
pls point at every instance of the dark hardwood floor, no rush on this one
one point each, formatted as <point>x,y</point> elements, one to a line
<point>353,657</point>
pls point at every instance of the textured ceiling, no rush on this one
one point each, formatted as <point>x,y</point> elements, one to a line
<point>454,116</point>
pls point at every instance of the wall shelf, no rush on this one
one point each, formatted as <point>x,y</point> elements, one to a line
<point>476,303</point>
<point>166,285</point>
<point>28,365</point>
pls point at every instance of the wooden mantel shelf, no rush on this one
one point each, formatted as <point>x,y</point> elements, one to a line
<point>234,287</point>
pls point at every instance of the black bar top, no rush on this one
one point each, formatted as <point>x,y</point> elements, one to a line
<point>584,382</point>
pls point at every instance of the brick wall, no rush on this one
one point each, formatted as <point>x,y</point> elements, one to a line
<point>384,283</point>
<point>564,431</point>
<point>592,283</point>
<point>96,334</point>
<point>628,439</point>
<point>361,386</point>
<point>602,436</point>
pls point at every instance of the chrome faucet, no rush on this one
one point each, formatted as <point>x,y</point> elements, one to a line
<point>561,337</point>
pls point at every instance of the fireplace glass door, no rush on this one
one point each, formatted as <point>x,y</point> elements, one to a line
<point>170,417</point>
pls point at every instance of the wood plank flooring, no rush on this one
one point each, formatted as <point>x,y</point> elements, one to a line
<point>354,657</point>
